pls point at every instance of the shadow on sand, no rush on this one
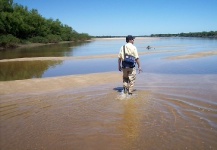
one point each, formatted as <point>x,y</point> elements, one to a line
<point>118,89</point>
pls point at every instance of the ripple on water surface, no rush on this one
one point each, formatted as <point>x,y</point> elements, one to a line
<point>165,112</point>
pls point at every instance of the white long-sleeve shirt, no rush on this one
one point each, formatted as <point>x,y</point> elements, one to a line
<point>130,49</point>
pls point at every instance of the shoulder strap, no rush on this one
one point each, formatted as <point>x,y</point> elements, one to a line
<point>124,50</point>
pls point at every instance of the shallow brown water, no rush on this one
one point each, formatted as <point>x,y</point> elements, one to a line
<point>166,112</point>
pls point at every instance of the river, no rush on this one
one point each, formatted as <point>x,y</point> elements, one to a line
<point>78,103</point>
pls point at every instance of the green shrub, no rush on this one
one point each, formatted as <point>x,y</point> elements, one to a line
<point>39,39</point>
<point>66,37</point>
<point>25,41</point>
<point>53,38</point>
<point>7,41</point>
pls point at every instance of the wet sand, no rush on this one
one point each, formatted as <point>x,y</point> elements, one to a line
<point>194,55</point>
<point>90,112</point>
<point>56,83</point>
<point>184,56</point>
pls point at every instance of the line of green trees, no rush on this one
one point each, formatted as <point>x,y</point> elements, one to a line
<point>20,25</point>
<point>212,34</point>
<point>190,34</point>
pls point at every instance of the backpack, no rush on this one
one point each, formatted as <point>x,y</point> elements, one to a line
<point>129,60</point>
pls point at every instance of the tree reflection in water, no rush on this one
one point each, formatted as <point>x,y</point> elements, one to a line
<point>24,69</point>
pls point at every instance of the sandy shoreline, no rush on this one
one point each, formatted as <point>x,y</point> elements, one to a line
<point>184,56</point>
<point>123,38</point>
<point>193,55</point>
<point>29,45</point>
<point>38,85</point>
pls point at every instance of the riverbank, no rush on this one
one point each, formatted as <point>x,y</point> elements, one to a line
<point>30,45</point>
<point>123,38</point>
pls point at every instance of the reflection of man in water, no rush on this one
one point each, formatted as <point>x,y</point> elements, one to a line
<point>129,72</point>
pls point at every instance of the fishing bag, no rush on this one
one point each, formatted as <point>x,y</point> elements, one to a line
<point>129,60</point>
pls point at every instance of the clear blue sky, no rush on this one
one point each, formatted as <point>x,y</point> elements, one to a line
<point>123,17</point>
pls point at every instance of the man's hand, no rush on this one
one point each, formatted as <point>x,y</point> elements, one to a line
<point>119,68</point>
<point>140,69</point>
<point>119,64</point>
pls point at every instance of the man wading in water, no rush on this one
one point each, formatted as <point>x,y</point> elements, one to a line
<point>127,58</point>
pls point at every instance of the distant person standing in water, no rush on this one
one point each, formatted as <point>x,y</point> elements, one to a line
<point>127,58</point>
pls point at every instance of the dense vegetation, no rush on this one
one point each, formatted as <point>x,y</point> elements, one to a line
<point>20,25</point>
<point>191,34</point>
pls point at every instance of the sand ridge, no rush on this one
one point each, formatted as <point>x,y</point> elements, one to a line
<point>193,55</point>
<point>56,83</point>
<point>83,57</point>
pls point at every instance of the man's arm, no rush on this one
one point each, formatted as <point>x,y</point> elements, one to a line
<point>119,64</point>
<point>138,63</point>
